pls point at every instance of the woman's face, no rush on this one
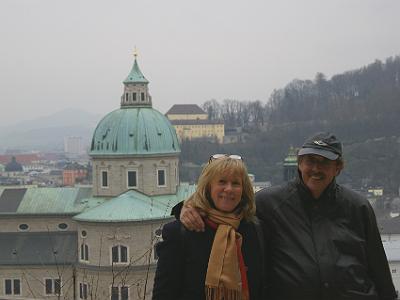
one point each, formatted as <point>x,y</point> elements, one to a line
<point>226,191</point>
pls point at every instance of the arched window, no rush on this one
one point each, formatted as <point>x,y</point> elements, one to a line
<point>104,179</point>
<point>119,292</point>
<point>53,286</point>
<point>12,286</point>
<point>119,254</point>
<point>83,290</point>
<point>84,252</point>
<point>155,254</point>
<point>161,180</point>
<point>132,178</point>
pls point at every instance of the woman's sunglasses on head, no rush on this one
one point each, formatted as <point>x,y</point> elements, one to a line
<point>218,156</point>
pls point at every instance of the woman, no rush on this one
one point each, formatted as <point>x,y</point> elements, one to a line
<point>224,261</point>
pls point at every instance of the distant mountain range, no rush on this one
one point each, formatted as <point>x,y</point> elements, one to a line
<point>47,133</point>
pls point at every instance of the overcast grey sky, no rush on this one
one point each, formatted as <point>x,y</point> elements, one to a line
<point>75,54</point>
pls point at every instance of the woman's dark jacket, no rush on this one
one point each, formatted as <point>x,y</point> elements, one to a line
<point>183,259</point>
<point>324,249</point>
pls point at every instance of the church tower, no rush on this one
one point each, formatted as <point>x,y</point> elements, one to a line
<point>135,146</point>
<point>290,165</point>
<point>136,91</point>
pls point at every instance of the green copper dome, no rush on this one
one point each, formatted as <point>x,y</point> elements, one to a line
<point>134,131</point>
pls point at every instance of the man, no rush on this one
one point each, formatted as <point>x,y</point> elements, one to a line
<point>322,240</point>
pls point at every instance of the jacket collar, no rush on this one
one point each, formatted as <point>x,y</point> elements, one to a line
<point>305,193</point>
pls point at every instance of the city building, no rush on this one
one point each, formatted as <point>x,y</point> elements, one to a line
<point>191,122</point>
<point>74,173</point>
<point>97,242</point>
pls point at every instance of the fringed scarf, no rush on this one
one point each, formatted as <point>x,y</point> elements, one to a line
<point>226,273</point>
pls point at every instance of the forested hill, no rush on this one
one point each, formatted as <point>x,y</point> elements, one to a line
<point>358,104</point>
<point>362,107</point>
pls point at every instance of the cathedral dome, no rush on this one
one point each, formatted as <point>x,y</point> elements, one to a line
<point>13,166</point>
<point>136,128</point>
<point>134,131</point>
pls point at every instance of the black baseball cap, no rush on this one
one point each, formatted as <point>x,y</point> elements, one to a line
<point>324,144</point>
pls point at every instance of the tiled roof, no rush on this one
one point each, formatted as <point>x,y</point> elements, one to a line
<point>185,109</point>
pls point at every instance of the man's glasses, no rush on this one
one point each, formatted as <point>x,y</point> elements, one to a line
<point>218,156</point>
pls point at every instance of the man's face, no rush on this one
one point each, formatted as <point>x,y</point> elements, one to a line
<point>317,172</point>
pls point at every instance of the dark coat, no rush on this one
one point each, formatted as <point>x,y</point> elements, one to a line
<point>324,249</point>
<point>183,260</point>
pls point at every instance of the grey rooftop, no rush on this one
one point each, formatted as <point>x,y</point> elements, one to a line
<point>184,109</point>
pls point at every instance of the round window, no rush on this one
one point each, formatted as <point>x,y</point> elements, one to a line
<point>62,226</point>
<point>83,233</point>
<point>23,227</point>
<point>158,232</point>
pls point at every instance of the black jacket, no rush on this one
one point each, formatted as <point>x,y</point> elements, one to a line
<point>183,260</point>
<point>327,249</point>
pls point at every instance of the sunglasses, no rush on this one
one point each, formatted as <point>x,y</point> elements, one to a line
<point>218,156</point>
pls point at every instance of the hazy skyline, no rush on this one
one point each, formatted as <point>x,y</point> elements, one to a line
<point>75,54</point>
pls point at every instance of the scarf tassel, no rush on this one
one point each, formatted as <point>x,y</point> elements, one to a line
<point>218,293</point>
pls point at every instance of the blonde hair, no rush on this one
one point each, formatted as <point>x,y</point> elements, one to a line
<point>217,167</point>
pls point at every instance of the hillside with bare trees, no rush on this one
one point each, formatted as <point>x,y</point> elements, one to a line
<point>361,106</point>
